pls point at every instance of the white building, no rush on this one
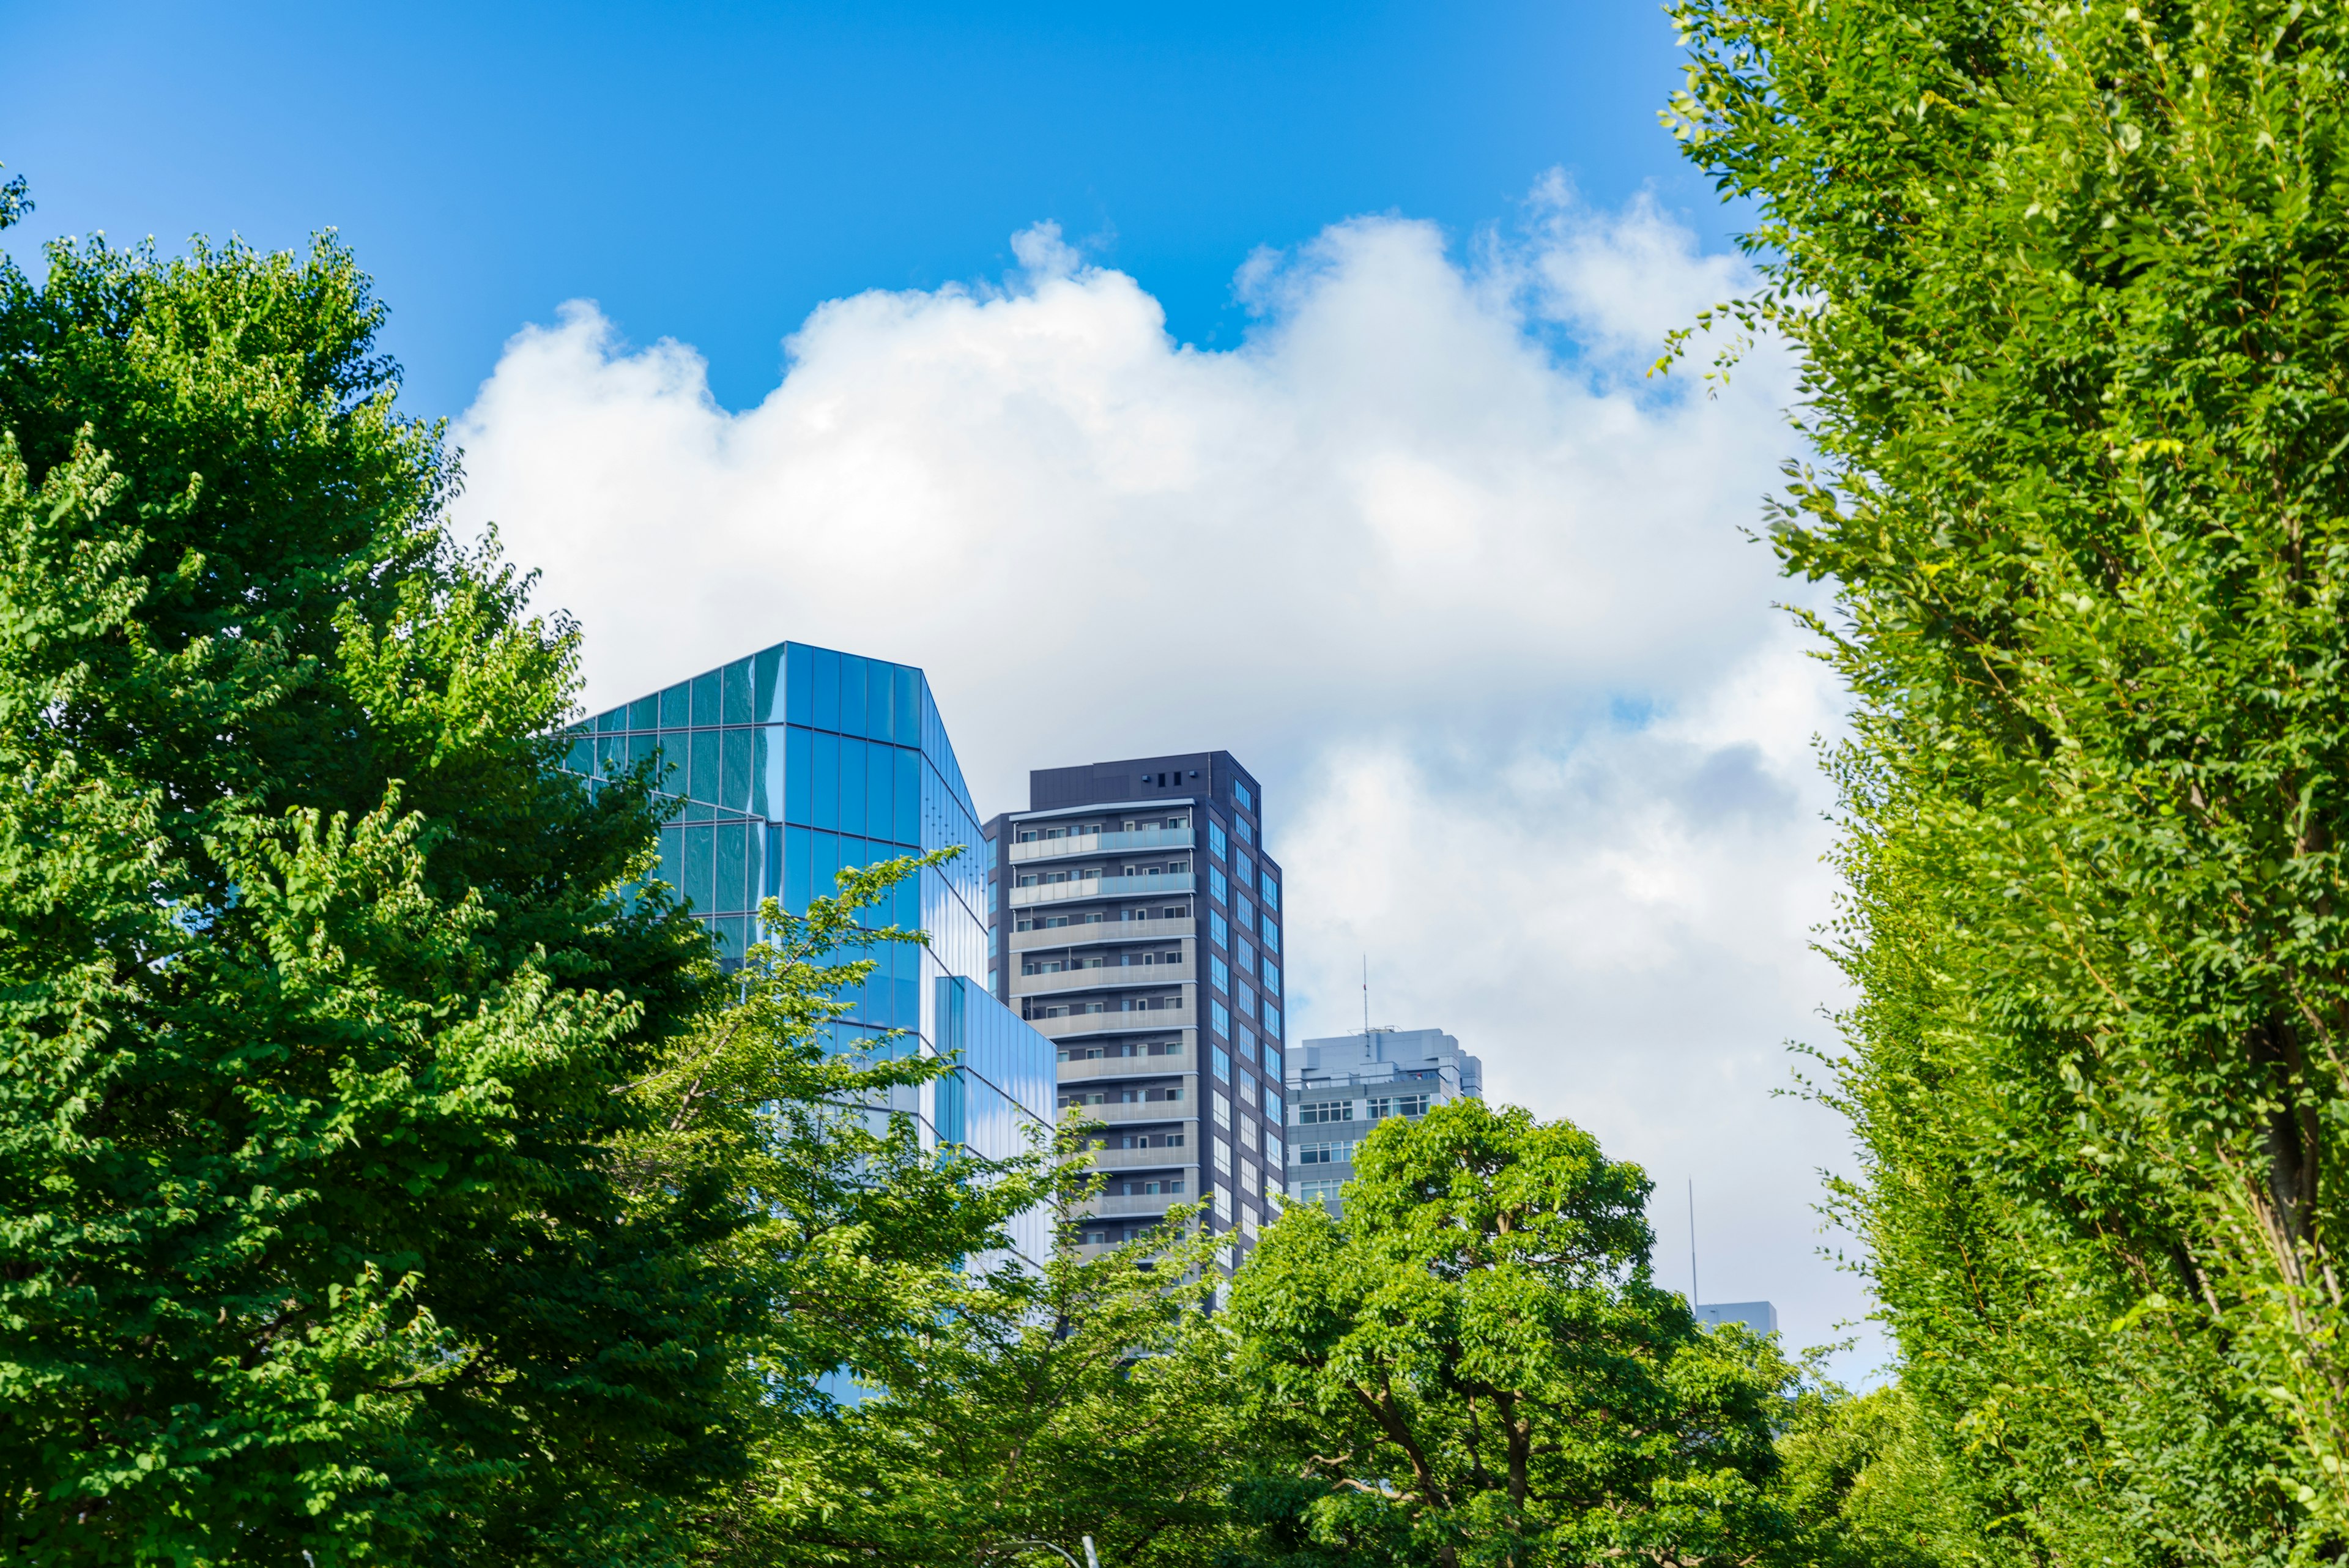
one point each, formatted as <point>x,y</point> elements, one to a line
<point>1341,1086</point>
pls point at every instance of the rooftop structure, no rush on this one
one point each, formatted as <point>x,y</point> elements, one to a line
<point>1342,1085</point>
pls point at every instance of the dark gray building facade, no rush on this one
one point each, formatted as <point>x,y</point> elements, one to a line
<point>1134,921</point>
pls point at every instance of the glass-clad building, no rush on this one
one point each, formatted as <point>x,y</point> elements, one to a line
<point>794,763</point>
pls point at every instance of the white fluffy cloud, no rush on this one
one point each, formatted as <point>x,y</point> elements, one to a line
<point>1428,553</point>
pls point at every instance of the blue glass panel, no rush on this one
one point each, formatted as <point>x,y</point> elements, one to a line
<point>733,868</point>
<point>696,811</point>
<point>1243,874</point>
<point>907,711</point>
<point>1271,1019</point>
<point>581,758</point>
<point>909,793</point>
<point>1221,1016</point>
<point>763,793</point>
<point>643,744</point>
<point>766,685</point>
<point>1271,977</point>
<point>615,719</point>
<point>909,1001</point>
<point>677,707</point>
<point>798,669</point>
<point>852,695</point>
<point>852,785</point>
<point>672,857</point>
<point>1219,972</point>
<point>1272,1106</point>
<point>1240,793</point>
<point>823,781</point>
<point>824,866</point>
<point>734,769</point>
<point>1216,885</point>
<point>643,713</point>
<point>704,699</point>
<point>1240,825</point>
<point>1271,891</point>
<point>695,883</point>
<point>824,714</point>
<point>880,790</point>
<point>799,858</point>
<point>1223,1063</point>
<point>1271,1060</point>
<point>734,693</point>
<point>770,880</point>
<point>1271,938</point>
<point>799,767</point>
<point>704,782</point>
<point>731,931</point>
<point>1215,838</point>
<point>610,754</point>
<point>1218,929</point>
<point>906,904</point>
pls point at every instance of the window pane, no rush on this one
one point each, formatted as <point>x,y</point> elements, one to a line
<point>734,706</point>
<point>704,782</point>
<point>616,719</point>
<point>799,856</point>
<point>906,712</point>
<point>880,790</point>
<point>610,754</point>
<point>643,744</point>
<point>799,667</point>
<point>1271,1019</point>
<point>676,707</point>
<point>644,714</point>
<point>672,857</point>
<point>824,680</point>
<point>1220,972</point>
<point>581,758</point>
<point>733,868</point>
<point>1272,934</point>
<point>696,884</point>
<point>734,770</point>
<point>909,797</point>
<point>1223,1062</point>
<point>852,785</point>
<point>771,864</point>
<point>852,695</point>
<point>764,795</point>
<point>823,781</point>
<point>766,685</point>
<point>1221,1016</point>
<point>1270,889</point>
<point>1216,839</point>
<point>704,699</point>
<point>1216,885</point>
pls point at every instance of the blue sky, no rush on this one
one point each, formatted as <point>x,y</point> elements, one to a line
<point>712,172</point>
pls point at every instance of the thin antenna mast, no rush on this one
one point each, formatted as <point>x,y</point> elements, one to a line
<point>1693,1296</point>
<point>1366,1002</point>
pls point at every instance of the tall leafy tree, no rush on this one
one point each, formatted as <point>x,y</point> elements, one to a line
<point>1476,1368</point>
<point>2068,285</point>
<point>316,996</point>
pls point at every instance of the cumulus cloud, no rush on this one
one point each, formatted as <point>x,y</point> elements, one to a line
<point>1428,552</point>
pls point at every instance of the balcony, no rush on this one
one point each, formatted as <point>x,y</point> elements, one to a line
<point>1149,1020</point>
<point>1150,1111</point>
<point>1135,1066</point>
<point>1137,842</point>
<point>1092,933</point>
<point>1165,883</point>
<point>1140,1205</point>
<point>1124,1159</point>
<point>1121,975</point>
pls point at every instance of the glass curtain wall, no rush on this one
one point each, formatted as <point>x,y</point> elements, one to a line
<point>787,767</point>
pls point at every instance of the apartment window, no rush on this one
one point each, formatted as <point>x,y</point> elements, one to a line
<point>1271,1061</point>
<point>1398,1105</point>
<point>1221,1016</point>
<point>1240,825</point>
<point>1177,913</point>
<point>1272,1019</point>
<point>1247,955</point>
<point>1175,824</point>
<point>1219,929</point>
<point>1243,874</point>
<point>1245,996</point>
<point>1028,881</point>
<point>1243,913</point>
<point>1223,1063</point>
<point>1223,1157</point>
<point>1272,1104</point>
<point>1027,838</point>
<point>1272,1149</point>
<point>1178,868</point>
<point>1222,1112</point>
<point>1271,891</point>
<point>1322,1192</point>
<point>1326,1111</point>
<point>1216,841</point>
<point>1223,1213</point>
<point>1240,793</point>
<point>1217,885</point>
<point>1271,935</point>
<point>1219,972</point>
<point>1271,977</point>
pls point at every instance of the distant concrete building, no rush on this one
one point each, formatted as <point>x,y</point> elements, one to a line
<point>1759,1316</point>
<point>1341,1086</point>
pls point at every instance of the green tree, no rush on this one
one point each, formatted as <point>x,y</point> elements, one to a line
<point>1476,1369</point>
<point>316,990</point>
<point>2067,284</point>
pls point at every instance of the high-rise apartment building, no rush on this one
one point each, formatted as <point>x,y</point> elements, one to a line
<point>1136,923</point>
<point>1341,1086</point>
<point>786,766</point>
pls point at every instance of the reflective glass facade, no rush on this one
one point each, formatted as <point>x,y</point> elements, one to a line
<point>791,765</point>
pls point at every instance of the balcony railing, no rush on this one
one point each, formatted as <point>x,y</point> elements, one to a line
<point>1105,844</point>
<point>1147,1111</point>
<point>1140,1020</point>
<point>1176,1158</point>
<point>1125,976</point>
<point>1136,1066</point>
<point>1135,887</point>
<point>1086,933</point>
